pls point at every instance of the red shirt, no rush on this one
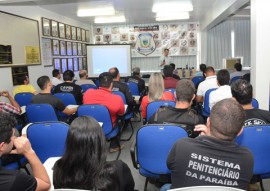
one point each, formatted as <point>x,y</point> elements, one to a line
<point>145,101</point>
<point>103,96</point>
<point>170,82</point>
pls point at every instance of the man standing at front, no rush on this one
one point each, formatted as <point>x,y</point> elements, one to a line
<point>165,59</point>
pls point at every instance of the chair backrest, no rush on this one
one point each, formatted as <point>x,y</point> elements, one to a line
<point>48,139</point>
<point>121,95</point>
<point>153,144</point>
<point>97,82</point>
<point>206,108</point>
<point>235,78</point>
<point>133,88</point>
<point>256,138</point>
<point>23,99</point>
<point>255,103</point>
<point>85,87</point>
<point>197,79</point>
<point>40,113</point>
<point>153,107</point>
<point>100,113</point>
<point>67,98</point>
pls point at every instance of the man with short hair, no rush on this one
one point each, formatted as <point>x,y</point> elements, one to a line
<point>83,78</point>
<point>56,77</point>
<point>213,159</point>
<point>13,107</point>
<point>242,91</point>
<point>24,86</point>
<point>209,83</point>
<point>182,112</point>
<point>165,59</point>
<point>69,87</point>
<point>14,180</point>
<point>136,78</point>
<point>175,72</point>
<point>224,89</point>
<point>237,70</point>
<point>45,96</point>
<point>169,81</point>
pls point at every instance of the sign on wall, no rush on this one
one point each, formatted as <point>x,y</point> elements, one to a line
<point>150,40</point>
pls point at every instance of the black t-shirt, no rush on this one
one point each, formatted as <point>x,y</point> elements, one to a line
<point>187,118</point>
<point>41,98</point>
<point>68,87</point>
<point>140,82</point>
<point>123,87</point>
<point>208,161</point>
<point>257,117</point>
<point>14,180</point>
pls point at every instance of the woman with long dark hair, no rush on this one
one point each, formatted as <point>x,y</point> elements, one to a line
<point>84,165</point>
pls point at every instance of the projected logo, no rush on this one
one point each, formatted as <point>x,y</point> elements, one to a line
<point>145,44</point>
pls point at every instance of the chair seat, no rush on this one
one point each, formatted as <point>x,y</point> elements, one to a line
<point>146,173</point>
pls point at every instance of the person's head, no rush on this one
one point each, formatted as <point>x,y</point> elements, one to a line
<point>56,73</point>
<point>168,71</point>
<point>83,74</point>
<point>156,87</point>
<point>44,82</point>
<point>242,91</point>
<point>7,123</point>
<point>209,71</point>
<point>136,71</point>
<point>115,73</point>
<point>202,67</point>
<point>223,77</point>
<point>185,91</point>
<point>238,67</point>
<point>226,119</point>
<point>166,52</point>
<point>172,65</point>
<point>23,80</point>
<point>68,75</point>
<point>105,80</point>
<point>83,164</point>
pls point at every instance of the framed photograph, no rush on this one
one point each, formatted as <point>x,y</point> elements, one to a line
<point>63,65</point>
<point>55,47</point>
<point>84,63</point>
<point>63,47</point>
<point>75,64</point>
<point>62,32</point>
<point>54,28</point>
<point>73,33</point>
<point>70,64</point>
<point>84,49</point>
<point>46,27</point>
<point>83,35</point>
<point>79,35</point>
<point>57,64</point>
<point>80,63</point>
<point>69,48</point>
<point>74,48</point>
<point>87,36</point>
<point>79,49</point>
<point>68,32</point>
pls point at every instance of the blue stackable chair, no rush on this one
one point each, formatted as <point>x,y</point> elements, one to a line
<point>23,99</point>
<point>256,139</point>
<point>196,80</point>
<point>67,99</point>
<point>85,87</point>
<point>153,144</point>
<point>48,139</point>
<point>255,103</point>
<point>101,114</point>
<point>235,78</point>
<point>40,113</point>
<point>206,108</point>
<point>97,82</point>
<point>152,107</point>
<point>133,88</point>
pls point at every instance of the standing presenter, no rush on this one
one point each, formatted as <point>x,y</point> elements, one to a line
<point>165,59</point>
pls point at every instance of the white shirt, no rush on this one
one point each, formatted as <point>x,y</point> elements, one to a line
<point>209,83</point>
<point>55,81</point>
<point>167,59</point>
<point>219,94</point>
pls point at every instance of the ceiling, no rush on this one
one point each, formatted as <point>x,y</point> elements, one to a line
<point>135,11</point>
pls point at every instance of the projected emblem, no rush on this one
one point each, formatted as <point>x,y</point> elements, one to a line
<point>145,44</point>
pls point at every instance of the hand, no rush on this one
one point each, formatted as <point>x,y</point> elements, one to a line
<point>22,145</point>
<point>5,93</point>
<point>203,129</point>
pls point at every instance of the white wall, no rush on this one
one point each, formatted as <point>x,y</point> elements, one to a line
<point>33,12</point>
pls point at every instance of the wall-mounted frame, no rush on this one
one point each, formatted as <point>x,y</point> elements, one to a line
<point>73,33</point>
<point>57,64</point>
<point>68,32</point>
<point>69,48</point>
<point>63,47</point>
<point>84,50</point>
<point>80,63</point>
<point>54,30</point>
<point>17,72</point>
<point>87,36</point>
<point>46,27</point>
<point>63,64</point>
<point>79,49</point>
<point>83,35</point>
<point>75,64</point>
<point>74,48</point>
<point>84,63</point>
<point>79,35</point>
<point>70,63</point>
<point>55,47</point>
<point>62,32</point>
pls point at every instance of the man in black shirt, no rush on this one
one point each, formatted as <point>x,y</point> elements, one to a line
<point>136,78</point>
<point>213,158</point>
<point>14,180</point>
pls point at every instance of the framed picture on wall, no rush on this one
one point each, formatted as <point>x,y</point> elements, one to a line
<point>87,36</point>
<point>68,32</point>
<point>75,64</point>
<point>62,33</point>
<point>63,64</point>
<point>79,49</point>
<point>80,63</point>
<point>46,27</point>
<point>57,64</point>
<point>84,63</point>
<point>63,47</point>
<point>83,49</point>
<point>54,28</point>
<point>55,47</point>
<point>69,48</point>
<point>79,35</point>
<point>70,64</point>
<point>83,35</point>
<point>74,48</point>
<point>73,33</point>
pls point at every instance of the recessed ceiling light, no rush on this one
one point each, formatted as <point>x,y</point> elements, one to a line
<point>99,11</point>
<point>184,15</point>
<point>172,14</point>
<point>178,6</point>
<point>110,19</point>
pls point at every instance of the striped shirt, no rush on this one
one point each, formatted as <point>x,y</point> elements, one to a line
<point>7,108</point>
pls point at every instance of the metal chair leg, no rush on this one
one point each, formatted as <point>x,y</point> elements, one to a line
<point>132,132</point>
<point>145,185</point>
<point>261,184</point>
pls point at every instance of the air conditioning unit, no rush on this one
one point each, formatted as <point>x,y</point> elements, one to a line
<point>228,63</point>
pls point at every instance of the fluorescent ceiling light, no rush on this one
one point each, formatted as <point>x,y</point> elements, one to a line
<point>172,14</point>
<point>99,11</point>
<point>112,19</point>
<point>171,18</point>
<point>178,6</point>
